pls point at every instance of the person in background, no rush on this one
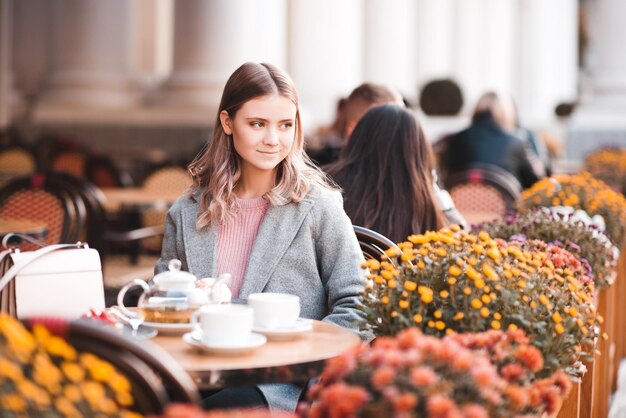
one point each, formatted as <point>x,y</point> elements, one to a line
<point>490,140</point>
<point>261,211</point>
<point>386,173</point>
<point>361,99</point>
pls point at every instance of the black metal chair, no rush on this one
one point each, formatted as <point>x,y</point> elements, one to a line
<point>372,243</point>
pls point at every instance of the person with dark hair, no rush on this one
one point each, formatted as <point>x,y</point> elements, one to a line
<point>490,140</point>
<point>361,99</point>
<point>441,98</point>
<point>259,210</point>
<point>386,173</point>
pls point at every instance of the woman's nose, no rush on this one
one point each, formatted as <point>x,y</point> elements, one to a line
<point>271,137</point>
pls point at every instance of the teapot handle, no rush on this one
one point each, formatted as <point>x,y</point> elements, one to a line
<point>120,296</point>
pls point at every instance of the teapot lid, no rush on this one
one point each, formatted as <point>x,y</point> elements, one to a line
<point>174,278</point>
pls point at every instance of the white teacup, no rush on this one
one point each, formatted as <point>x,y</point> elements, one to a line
<point>274,310</point>
<point>223,324</point>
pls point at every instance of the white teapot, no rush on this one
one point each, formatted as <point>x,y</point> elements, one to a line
<point>171,296</point>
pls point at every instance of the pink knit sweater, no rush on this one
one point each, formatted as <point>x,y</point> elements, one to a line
<point>235,240</point>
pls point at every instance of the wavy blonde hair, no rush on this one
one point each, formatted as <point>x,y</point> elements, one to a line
<point>217,168</point>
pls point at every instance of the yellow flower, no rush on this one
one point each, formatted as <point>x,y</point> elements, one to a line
<point>12,402</point>
<point>418,318</point>
<point>543,299</point>
<point>10,370</point>
<point>403,304</point>
<point>440,325</point>
<point>392,252</point>
<point>455,270</point>
<point>66,407</point>
<point>476,303</point>
<point>391,284</point>
<point>385,299</point>
<point>444,294</point>
<point>559,329</point>
<point>556,317</point>
<point>495,324</point>
<point>73,372</point>
<point>410,286</point>
<point>437,314</point>
<point>484,312</point>
<point>34,393</point>
<point>458,316</point>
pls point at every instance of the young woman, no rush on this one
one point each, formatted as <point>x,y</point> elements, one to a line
<point>386,173</point>
<point>258,209</point>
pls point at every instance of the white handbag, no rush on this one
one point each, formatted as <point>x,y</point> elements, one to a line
<point>61,280</point>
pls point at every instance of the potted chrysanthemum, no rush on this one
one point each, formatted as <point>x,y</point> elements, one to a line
<point>451,281</point>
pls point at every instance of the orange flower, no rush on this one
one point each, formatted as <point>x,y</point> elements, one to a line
<point>530,357</point>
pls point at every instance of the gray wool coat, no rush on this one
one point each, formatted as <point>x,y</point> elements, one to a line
<point>306,249</point>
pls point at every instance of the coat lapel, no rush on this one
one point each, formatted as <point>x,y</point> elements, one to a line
<point>277,231</point>
<point>200,245</point>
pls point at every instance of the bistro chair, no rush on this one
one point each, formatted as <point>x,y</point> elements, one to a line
<point>43,199</point>
<point>156,378</point>
<point>372,243</point>
<point>170,178</point>
<point>483,192</point>
<point>103,172</point>
<point>16,161</point>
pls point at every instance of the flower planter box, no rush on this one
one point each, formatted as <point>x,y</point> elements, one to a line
<point>571,406</point>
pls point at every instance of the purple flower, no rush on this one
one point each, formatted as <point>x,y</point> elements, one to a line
<point>518,237</point>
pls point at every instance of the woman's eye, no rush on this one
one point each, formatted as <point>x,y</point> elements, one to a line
<point>288,125</point>
<point>257,124</point>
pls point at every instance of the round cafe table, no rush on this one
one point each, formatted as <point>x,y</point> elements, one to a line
<point>295,360</point>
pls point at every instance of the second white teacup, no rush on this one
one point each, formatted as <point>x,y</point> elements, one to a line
<point>223,324</point>
<point>274,310</point>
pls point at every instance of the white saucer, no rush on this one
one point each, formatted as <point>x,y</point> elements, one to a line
<point>301,325</point>
<point>169,328</point>
<point>143,332</point>
<point>254,340</point>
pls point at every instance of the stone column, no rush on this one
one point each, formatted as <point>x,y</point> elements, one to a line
<point>31,44</point>
<point>213,38</point>
<point>389,40</point>
<point>600,119</point>
<point>91,55</point>
<point>548,66</point>
<point>325,54</point>
<point>483,53</point>
<point>435,38</point>
<point>5,63</point>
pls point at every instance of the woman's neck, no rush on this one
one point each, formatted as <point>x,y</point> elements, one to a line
<point>255,183</point>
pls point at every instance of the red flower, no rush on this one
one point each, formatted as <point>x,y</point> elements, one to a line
<point>383,376</point>
<point>518,397</point>
<point>512,372</point>
<point>530,357</point>
<point>440,406</point>
<point>474,411</point>
<point>405,402</point>
<point>423,376</point>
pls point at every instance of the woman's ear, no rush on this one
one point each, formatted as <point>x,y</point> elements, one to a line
<point>227,124</point>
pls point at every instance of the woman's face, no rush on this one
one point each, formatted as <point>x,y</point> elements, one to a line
<point>263,131</point>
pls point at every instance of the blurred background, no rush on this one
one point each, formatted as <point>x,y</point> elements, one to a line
<point>139,80</point>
